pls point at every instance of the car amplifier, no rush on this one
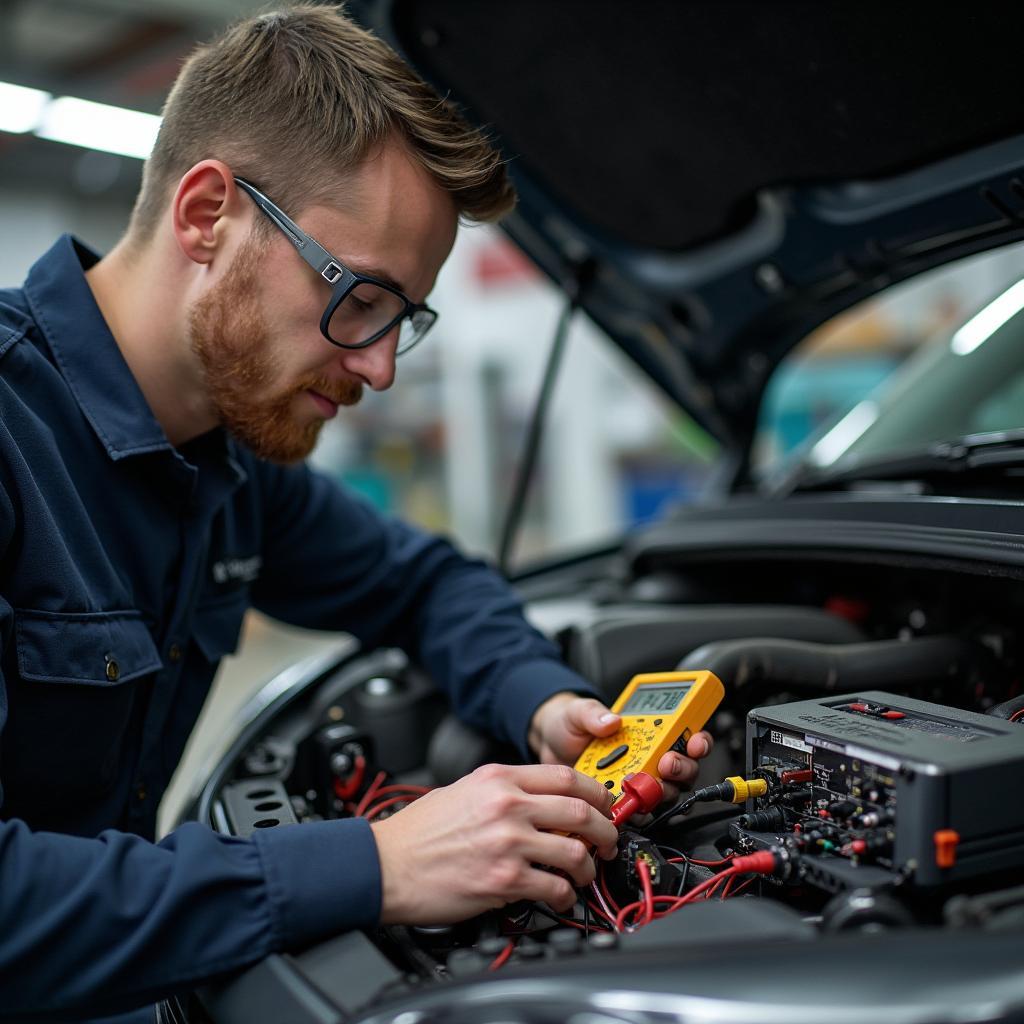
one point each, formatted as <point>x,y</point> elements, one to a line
<point>877,788</point>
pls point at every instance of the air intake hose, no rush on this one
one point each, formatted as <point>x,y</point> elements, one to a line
<point>834,668</point>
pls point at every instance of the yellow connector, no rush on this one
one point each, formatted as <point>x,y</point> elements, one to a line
<point>652,864</point>
<point>745,789</point>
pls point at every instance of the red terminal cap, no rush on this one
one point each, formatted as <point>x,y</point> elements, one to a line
<point>858,846</point>
<point>946,841</point>
<point>823,813</point>
<point>641,793</point>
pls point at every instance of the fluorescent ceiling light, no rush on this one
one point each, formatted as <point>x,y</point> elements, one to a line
<point>982,326</point>
<point>21,108</point>
<point>99,126</point>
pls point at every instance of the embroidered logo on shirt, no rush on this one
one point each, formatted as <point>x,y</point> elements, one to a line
<point>237,570</point>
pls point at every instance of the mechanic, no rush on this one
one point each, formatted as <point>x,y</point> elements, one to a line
<point>157,404</point>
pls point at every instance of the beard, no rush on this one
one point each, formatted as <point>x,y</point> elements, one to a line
<point>229,335</point>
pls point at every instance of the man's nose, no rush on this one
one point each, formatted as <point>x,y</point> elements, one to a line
<point>375,364</point>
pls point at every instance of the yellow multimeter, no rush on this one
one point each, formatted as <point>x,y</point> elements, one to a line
<point>660,711</point>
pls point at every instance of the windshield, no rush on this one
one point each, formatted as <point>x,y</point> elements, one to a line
<point>927,361</point>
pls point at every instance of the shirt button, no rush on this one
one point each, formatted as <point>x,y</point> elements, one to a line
<point>140,792</point>
<point>113,669</point>
<point>174,652</point>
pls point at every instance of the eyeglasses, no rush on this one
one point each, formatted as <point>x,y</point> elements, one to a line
<point>361,309</point>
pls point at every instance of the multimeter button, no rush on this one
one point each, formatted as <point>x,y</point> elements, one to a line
<point>613,756</point>
<point>893,714</point>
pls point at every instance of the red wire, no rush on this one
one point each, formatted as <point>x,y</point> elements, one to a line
<point>714,889</point>
<point>644,870</point>
<point>604,888</point>
<point>403,788</point>
<point>582,927</point>
<point>595,908</point>
<point>739,888</point>
<point>704,886</point>
<point>502,956</point>
<point>624,913</point>
<point>385,804</point>
<point>370,793</point>
<point>706,889</point>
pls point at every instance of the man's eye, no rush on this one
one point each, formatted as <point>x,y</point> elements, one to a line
<point>360,305</point>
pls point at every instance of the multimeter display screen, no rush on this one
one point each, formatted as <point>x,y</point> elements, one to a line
<point>656,698</point>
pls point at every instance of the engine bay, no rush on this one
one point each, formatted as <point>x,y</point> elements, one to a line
<point>878,719</point>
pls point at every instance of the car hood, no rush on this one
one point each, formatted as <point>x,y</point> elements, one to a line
<point>717,179</point>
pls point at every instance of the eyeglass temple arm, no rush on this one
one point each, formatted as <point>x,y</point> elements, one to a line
<point>309,249</point>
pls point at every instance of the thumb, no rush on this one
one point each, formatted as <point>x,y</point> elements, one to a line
<point>591,718</point>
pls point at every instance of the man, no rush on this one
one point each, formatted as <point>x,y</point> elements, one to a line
<point>155,406</point>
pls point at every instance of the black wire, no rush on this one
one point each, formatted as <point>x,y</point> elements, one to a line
<point>680,808</point>
<point>549,914</point>
<point>673,850</point>
<point>686,875</point>
<point>535,431</point>
<point>681,888</point>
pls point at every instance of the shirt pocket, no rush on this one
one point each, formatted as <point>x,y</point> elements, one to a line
<point>78,689</point>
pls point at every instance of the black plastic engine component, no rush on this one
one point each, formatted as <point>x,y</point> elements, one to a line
<point>256,803</point>
<point>665,877</point>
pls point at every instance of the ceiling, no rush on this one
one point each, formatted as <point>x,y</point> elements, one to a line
<point>121,52</point>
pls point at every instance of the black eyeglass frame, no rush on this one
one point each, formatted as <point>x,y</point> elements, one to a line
<point>341,279</point>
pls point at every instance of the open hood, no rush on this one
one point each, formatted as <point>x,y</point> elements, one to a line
<point>719,178</point>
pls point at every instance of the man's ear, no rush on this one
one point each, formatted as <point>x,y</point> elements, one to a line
<point>204,204</point>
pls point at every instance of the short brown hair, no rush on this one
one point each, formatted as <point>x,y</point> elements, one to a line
<point>294,99</point>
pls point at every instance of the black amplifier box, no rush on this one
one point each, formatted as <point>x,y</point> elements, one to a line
<point>882,785</point>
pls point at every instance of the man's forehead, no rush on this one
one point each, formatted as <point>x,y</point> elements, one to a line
<point>405,252</point>
<point>378,272</point>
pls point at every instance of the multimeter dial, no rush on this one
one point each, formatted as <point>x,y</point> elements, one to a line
<point>633,743</point>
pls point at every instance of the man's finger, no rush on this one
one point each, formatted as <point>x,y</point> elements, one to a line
<point>558,814</point>
<point>545,887</point>
<point>560,780</point>
<point>563,853</point>
<point>675,768</point>
<point>699,745</point>
<point>590,717</point>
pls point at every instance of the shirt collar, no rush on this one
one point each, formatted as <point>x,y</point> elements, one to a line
<point>87,354</point>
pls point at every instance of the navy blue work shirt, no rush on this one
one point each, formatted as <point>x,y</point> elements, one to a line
<point>115,608</point>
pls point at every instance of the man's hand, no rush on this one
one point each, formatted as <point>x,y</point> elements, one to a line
<point>564,724</point>
<point>476,845</point>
